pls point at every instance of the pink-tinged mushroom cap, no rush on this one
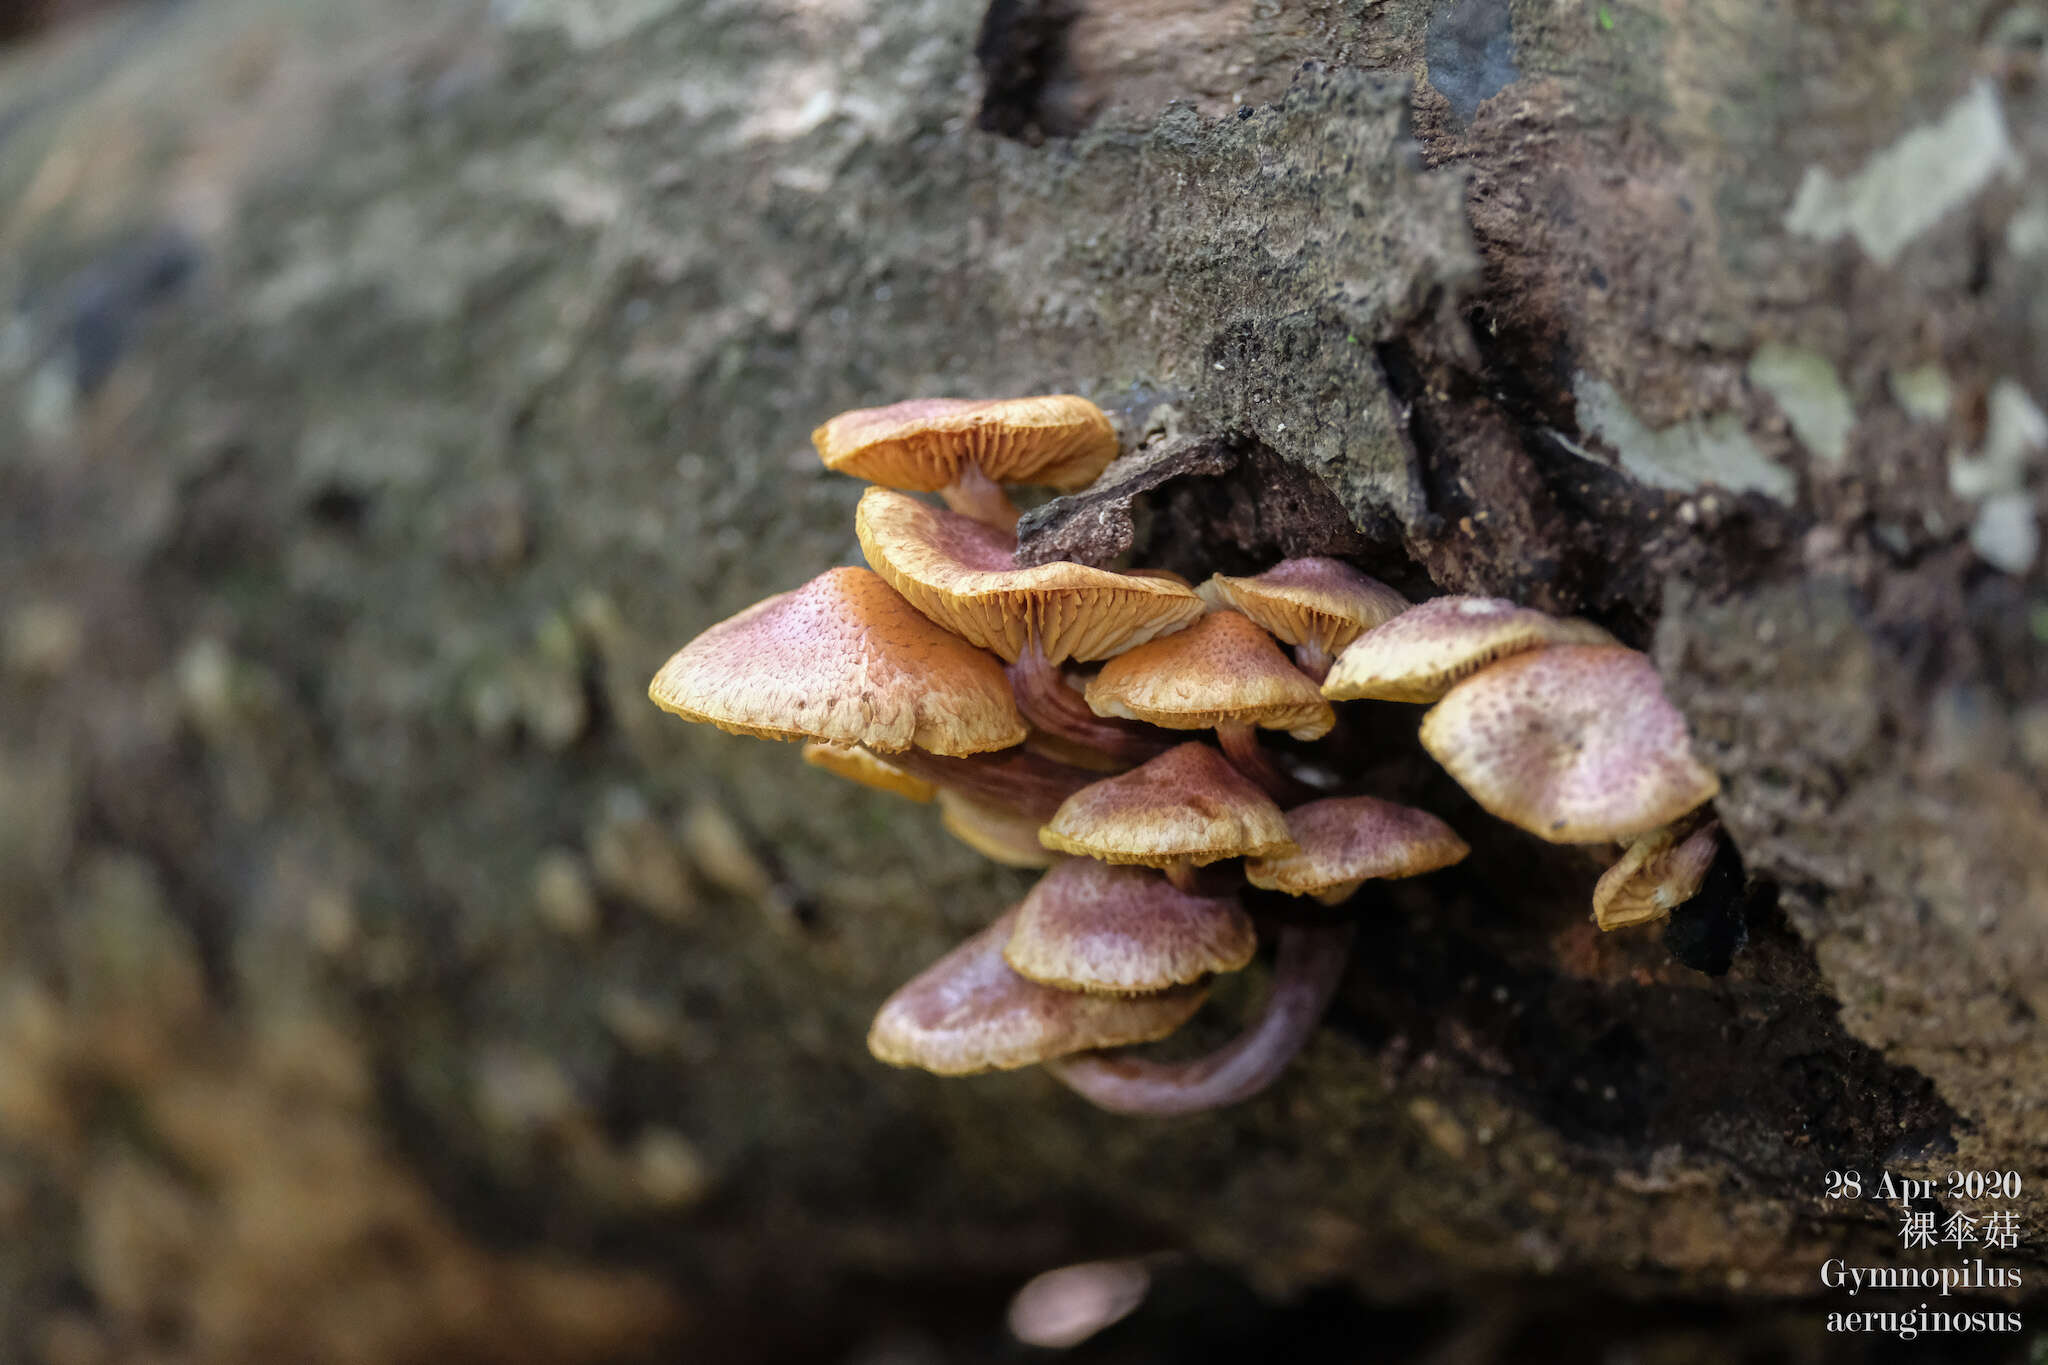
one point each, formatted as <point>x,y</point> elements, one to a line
<point>1322,603</point>
<point>1658,873</point>
<point>1087,926</point>
<point>1419,654</point>
<point>1188,806</point>
<point>962,574</point>
<point>1346,840</point>
<point>1575,744</point>
<point>968,1012</point>
<point>1222,670</point>
<point>845,660</point>
<point>997,833</point>
<point>922,444</point>
<point>858,765</point>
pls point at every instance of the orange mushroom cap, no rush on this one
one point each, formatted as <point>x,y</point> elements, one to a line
<point>1418,655</point>
<point>1311,600</point>
<point>1222,670</point>
<point>923,443</point>
<point>962,574</point>
<point>1575,744</point>
<point>969,1012</point>
<point>1187,806</point>
<point>858,765</point>
<point>1345,840</point>
<point>1087,926</point>
<point>845,660</point>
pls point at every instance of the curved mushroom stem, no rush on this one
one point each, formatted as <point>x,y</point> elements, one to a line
<point>1014,779</point>
<point>1049,703</point>
<point>1182,874</point>
<point>975,494</point>
<point>1314,660</point>
<point>1241,745</point>
<point>1305,975</point>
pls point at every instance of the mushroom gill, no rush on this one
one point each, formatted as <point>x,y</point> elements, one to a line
<point>963,448</point>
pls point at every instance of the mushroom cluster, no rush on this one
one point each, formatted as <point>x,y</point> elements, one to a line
<point>1555,727</point>
<point>942,672</point>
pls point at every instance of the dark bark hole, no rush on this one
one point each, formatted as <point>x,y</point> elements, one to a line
<point>1021,44</point>
<point>339,508</point>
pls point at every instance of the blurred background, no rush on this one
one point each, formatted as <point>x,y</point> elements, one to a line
<point>387,388</point>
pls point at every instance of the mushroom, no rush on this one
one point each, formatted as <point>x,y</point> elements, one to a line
<point>963,576</point>
<point>1222,672</point>
<point>1062,1308</point>
<point>1088,926</point>
<point>845,660</point>
<point>1658,873</point>
<point>997,832</point>
<point>969,1012</point>
<point>1575,744</point>
<point>1182,810</point>
<point>1345,840</point>
<point>1342,841</point>
<point>1306,969</point>
<point>856,764</point>
<point>1419,654</point>
<point>963,448</point>
<point>1315,604</point>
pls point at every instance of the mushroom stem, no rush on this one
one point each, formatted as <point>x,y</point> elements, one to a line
<point>1313,659</point>
<point>1182,874</point>
<point>1014,779</point>
<point>1309,965</point>
<point>974,494</point>
<point>1241,744</point>
<point>1049,703</point>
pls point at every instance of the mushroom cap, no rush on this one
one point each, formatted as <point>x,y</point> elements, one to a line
<point>858,765</point>
<point>1657,874</point>
<point>963,575</point>
<point>1189,805</point>
<point>845,660</point>
<point>1222,670</point>
<point>1087,926</point>
<point>1575,744</point>
<point>923,443</point>
<point>1419,654</point>
<point>970,1012</point>
<point>1345,840</point>
<point>999,835</point>
<point>1322,603</point>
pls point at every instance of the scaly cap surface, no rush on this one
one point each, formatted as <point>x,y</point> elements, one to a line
<point>969,1012</point>
<point>1087,926</point>
<point>846,660</point>
<point>1346,840</point>
<point>922,443</point>
<point>1575,744</point>
<point>1322,603</point>
<point>1189,805</point>
<point>1222,670</point>
<point>1418,655</point>
<point>962,574</point>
